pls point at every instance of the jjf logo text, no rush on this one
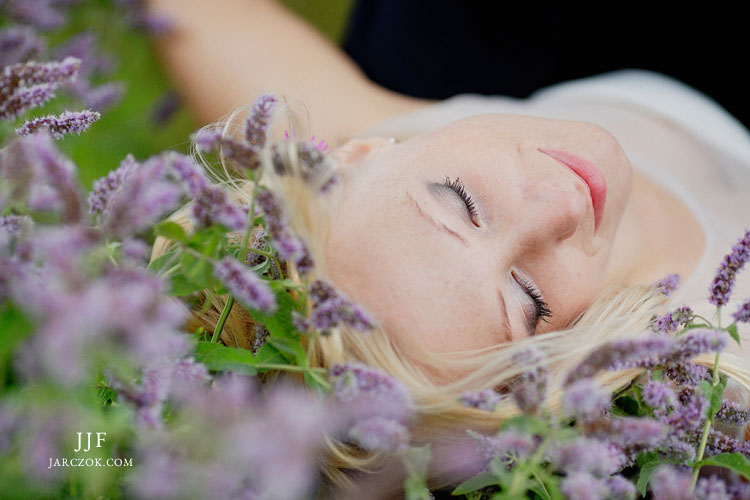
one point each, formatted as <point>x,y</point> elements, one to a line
<point>99,440</point>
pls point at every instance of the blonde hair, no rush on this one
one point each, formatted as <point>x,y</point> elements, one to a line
<point>436,380</point>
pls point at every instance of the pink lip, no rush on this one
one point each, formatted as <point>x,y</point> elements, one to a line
<point>591,175</point>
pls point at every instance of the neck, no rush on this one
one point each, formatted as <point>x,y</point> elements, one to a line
<point>658,235</point>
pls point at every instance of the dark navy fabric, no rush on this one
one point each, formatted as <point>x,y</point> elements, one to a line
<point>439,48</point>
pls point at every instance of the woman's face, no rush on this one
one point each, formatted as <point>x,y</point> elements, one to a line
<point>440,272</point>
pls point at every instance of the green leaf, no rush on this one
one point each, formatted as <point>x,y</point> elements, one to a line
<point>736,462</point>
<point>648,470</point>
<point>714,394</point>
<point>527,424</point>
<point>269,354</point>
<point>14,328</point>
<point>158,263</point>
<point>171,230</point>
<point>180,285</point>
<point>219,357</point>
<point>481,480</point>
<point>732,329</point>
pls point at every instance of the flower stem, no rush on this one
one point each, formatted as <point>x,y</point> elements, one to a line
<point>710,419</point>
<point>222,319</point>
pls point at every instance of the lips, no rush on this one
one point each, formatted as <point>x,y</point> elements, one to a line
<point>591,175</point>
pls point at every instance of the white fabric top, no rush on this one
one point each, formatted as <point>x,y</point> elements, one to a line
<point>677,136</point>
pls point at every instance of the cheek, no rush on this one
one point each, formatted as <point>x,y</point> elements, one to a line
<point>412,280</point>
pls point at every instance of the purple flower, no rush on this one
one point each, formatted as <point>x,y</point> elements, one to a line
<point>246,286</point>
<point>628,432</point>
<point>659,396</point>
<point>256,127</point>
<point>620,488</point>
<point>206,139</point>
<point>380,434</point>
<point>721,287</point>
<point>103,97</point>
<point>672,321</point>
<point>711,488</point>
<point>104,187</point>
<point>18,44</point>
<point>586,455</point>
<point>506,444</point>
<point>697,342</point>
<point>27,85</point>
<point>646,352</point>
<point>331,308</point>
<point>487,399</point>
<point>669,483</point>
<point>23,100</point>
<point>211,206</point>
<point>585,400</point>
<point>68,122</point>
<point>165,107</point>
<point>583,486</point>
<point>530,388</point>
<point>42,14</point>
<point>743,313</point>
<point>733,413</point>
<point>668,284</point>
<point>143,198</point>
<point>687,373</point>
<point>34,167</point>
<point>283,239</point>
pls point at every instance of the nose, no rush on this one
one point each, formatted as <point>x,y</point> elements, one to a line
<point>553,212</point>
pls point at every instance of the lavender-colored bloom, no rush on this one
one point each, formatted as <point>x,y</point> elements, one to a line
<point>505,444</point>
<point>38,73</point>
<point>672,321</point>
<point>135,249</point>
<point>380,434</point>
<point>659,396</point>
<point>206,139</point>
<point>620,488</point>
<point>668,284</point>
<point>711,488</point>
<point>144,198</point>
<point>723,283</point>
<point>627,432</point>
<point>585,400</point>
<point>256,127</point>
<point>697,342</point>
<point>670,483</point>
<point>103,97</point>
<point>352,380</point>
<point>583,486</point>
<point>646,352</point>
<point>733,413</point>
<point>687,373</point>
<point>283,239</point>
<point>246,286</point>
<point>718,442</point>
<point>743,313</point>
<point>42,14</point>
<point>331,308</point>
<point>260,334</point>
<point>211,206</point>
<point>585,454</point>
<point>24,99</point>
<point>18,44</point>
<point>34,162</point>
<point>530,388</point>
<point>67,122</point>
<point>487,399</point>
<point>165,107</point>
<point>104,187</point>
<point>689,415</point>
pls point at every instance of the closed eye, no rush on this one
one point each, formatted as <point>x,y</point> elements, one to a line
<point>458,187</point>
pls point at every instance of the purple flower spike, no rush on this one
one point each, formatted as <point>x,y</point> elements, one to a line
<point>257,123</point>
<point>103,97</point>
<point>529,390</point>
<point>206,139</point>
<point>104,187</point>
<point>487,399</point>
<point>711,488</point>
<point>743,313</point>
<point>68,122</point>
<point>659,396</point>
<point>669,483</point>
<point>668,284</point>
<point>506,444</point>
<point>25,99</point>
<point>583,486</point>
<point>721,287</point>
<point>351,380</point>
<point>380,434</point>
<point>586,455</point>
<point>585,400</point>
<point>245,285</point>
<point>672,321</point>
<point>697,342</point>
<point>18,44</point>
<point>42,14</point>
<point>733,413</point>
<point>331,308</point>
<point>620,488</point>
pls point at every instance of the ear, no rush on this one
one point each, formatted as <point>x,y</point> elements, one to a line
<point>355,151</point>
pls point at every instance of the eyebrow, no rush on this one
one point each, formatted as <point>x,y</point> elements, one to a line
<point>440,226</point>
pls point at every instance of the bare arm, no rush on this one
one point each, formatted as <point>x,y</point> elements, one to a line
<point>224,53</point>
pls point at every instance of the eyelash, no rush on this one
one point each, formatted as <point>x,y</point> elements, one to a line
<point>542,309</point>
<point>460,190</point>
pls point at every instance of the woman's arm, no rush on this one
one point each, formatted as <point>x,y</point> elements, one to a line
<point>224,53</point>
